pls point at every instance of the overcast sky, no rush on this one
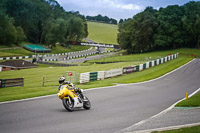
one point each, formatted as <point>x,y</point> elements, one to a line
<point>116,9</point>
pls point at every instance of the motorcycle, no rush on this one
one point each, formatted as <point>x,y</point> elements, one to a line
<point>72,99</point>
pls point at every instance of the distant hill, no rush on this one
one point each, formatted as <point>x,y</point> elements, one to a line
<point>102,33</point>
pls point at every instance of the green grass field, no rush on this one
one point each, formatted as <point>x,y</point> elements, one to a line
<point>193,101</point>
<point>194,129</point>
<point>23,52</point>
<point>99,32</point>
<point>34,77</point>
<point>102,33</point>
<point>147,56</point>
<point>14,52</point>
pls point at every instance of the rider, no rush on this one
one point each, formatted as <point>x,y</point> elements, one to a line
<point>62,82</point>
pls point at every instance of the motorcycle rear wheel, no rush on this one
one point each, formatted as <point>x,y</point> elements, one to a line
<point>86,104</point>
<point>68,106</point>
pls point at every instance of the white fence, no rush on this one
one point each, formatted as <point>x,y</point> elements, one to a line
<point>113,73</point>
<point>85,77</point>
<point>100,75</point>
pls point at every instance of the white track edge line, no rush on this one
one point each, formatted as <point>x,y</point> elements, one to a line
<point>166,128</point>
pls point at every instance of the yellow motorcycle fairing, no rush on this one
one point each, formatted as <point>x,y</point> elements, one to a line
<point>65,92</point>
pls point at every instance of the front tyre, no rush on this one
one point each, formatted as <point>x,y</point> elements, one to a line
<point>86,103</point>
<point>68,104</point>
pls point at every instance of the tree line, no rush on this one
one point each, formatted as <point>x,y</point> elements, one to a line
<point>167,28</point>
<point>100,18</point>
<point>39,21</point>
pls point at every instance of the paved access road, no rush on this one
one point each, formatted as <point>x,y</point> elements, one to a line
<point>113,108</point>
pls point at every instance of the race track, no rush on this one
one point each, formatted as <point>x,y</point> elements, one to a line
<point>113,108</point>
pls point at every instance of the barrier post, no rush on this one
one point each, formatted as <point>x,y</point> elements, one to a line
<point>43,81</point>
<point>186,95</point>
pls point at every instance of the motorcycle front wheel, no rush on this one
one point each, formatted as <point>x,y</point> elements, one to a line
<point>68,105</point>
<point>86,103</point>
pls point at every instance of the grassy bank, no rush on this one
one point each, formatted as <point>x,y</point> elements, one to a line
<point>102,33</point>
<point>19,51</point>
<point>194,129</point>
<point>145,75</point>
<point>148,56</point>
<point>34,77</point>
<point>193,101</point>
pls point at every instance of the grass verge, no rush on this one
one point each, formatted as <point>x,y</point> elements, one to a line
<point>145,75</point>
<point>147,56</point>
<point>33,78</point>
<point>194,129</point>
<point>193,101</point>
<point>55,50</point>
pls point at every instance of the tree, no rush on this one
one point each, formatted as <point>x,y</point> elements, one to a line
<point>121,21</point>
<point>57,32</point>
<point>100,18</point>
<point>8,33</point>
<point>7,29</point>
<point>136,34</point>
<point>20,35</point>
<point>76,29</point>
<point>145,27</point>
<point>171,27</point>
<point>40,18</point>
<point>191,22</point>
<point>124,35</point>
<point>170,31</point>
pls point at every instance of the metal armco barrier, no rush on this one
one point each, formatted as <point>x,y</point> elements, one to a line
<point>11,82</point>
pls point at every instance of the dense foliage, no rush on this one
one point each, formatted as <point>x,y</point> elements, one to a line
<point>167,28</point>
<point>100,18</point>
<point>39,21</point>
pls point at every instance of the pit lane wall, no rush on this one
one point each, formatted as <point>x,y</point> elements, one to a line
<point>100,75</point>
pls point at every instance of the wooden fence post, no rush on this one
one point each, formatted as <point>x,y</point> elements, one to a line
<point>23,82</point>
<point>43,80</point>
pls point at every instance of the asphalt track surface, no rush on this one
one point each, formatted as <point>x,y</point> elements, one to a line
<point>113,108</point>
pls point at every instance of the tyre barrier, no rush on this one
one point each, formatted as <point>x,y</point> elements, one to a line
<point>15,58</point>
<point>69,57</point>
<point>100,75</point>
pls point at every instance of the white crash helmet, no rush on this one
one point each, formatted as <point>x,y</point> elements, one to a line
<point>61,80</point>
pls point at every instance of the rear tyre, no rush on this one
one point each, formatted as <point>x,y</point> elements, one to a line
<point>86,103</point>
<point>68,105</point>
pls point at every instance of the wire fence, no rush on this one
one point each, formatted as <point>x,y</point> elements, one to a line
<point>70,76</point>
